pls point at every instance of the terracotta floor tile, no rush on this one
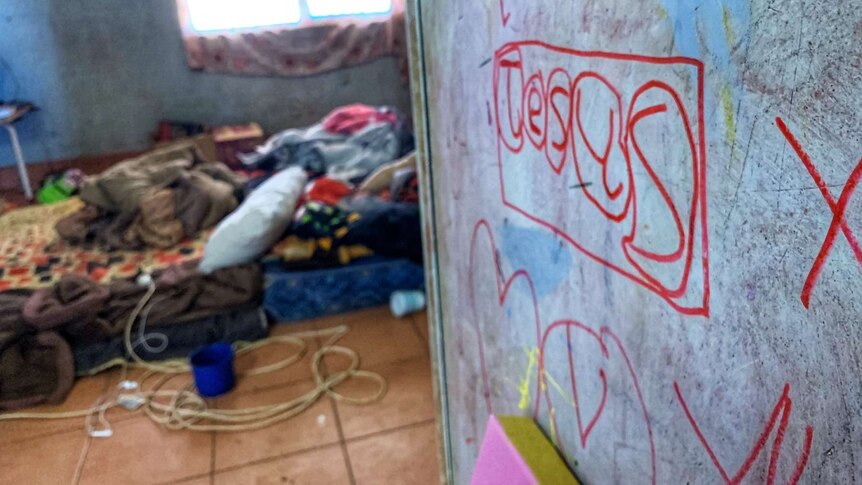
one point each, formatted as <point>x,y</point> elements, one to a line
<point>270,354</point>
<point>409,399</point>
<point>421,321</point>
<point>141,452</point>
<point>380,337</point>
<point>49,460</point>
<point>293,328</point>
<point>321,466</point>
<point>84,394</point>
<point>371,313</point>
<point>312,428</point>
<point>203,480</point>
<point>407,456</point>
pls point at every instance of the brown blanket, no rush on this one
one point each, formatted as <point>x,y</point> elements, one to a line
<point>121,187</point>
<point>155,200</point>
<point>35,367</point>
<point>83,310</point>
<point>11,305</point>
<point>36,327</point>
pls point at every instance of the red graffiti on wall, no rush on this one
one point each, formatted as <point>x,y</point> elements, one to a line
<point>505,16</point>
<point>838,209</point>
<point>783,410</point>
<point>585,179</point>
<point>487,254</point>
<point>581,340</point>
<point>586,425</point>
<point>484,255</point>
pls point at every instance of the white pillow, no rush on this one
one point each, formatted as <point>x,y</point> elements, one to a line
<point>256,225</point>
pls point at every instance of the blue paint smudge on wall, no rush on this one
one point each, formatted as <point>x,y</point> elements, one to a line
<point>539,252</point>
<point>693,21</point>
<point>711,30</point>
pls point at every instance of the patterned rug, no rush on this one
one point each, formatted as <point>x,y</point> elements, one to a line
<point>32,255</point>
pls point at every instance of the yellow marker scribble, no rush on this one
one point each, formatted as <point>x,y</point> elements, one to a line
<point>556,385</point>
<point>662,13</point>
<point>524,387</point>
<point>729,122</point>
<point>728,28</point>
<point>551,422</point>
<point>552,414</point>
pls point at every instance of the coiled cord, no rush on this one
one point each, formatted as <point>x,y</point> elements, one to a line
<point>185,409</point>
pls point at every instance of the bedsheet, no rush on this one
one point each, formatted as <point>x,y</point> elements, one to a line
<point>33,256</point>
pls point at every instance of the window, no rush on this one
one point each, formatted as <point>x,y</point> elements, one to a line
<point>330,8</point>
<point>230,14</point>
<point>215,15</point>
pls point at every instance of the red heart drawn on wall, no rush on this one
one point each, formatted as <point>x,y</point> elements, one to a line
<point>601,338</point>
<point>567,326</point>
<point>491,296</point>
<point>484,258</point>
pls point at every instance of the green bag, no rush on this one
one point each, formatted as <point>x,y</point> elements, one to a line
<point>55,189</point>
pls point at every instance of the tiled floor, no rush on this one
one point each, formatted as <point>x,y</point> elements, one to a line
<point>390,442</point>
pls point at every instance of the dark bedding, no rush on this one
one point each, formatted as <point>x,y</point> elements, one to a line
<point>176,339</point>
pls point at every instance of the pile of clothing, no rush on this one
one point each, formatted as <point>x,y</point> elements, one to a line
<point>324,235</point>
<point>340,190</point>
<point>323,222</point>
<point>338,223</point>
<point>347,145</point>
<point>43,331</point>
<point>155,200</point>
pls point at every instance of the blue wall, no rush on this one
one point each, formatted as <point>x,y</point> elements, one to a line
<point>105,71</point>
<point>30,68</point>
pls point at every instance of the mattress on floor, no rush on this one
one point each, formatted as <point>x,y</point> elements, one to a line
<point>169,341</point>
<point>299,295</point>
<point>32,255</point>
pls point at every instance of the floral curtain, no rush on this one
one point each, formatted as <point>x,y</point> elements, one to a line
<point>309,48</point>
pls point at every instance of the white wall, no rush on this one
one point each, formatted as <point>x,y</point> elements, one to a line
<point>652,292</point>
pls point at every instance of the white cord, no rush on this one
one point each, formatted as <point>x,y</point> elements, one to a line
<point>144,338</point>
<point>79,468</point>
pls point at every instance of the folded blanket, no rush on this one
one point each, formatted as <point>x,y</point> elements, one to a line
<point>35,367</point>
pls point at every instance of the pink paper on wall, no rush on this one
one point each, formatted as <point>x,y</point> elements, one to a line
<point>499,461</point>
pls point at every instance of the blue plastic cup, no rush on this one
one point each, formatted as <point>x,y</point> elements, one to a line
<point>405,302</point>
<point>212,366</point>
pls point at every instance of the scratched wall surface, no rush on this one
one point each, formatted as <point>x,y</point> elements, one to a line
<point>647,225</point>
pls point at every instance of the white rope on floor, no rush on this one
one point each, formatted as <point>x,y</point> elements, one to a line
<point>185,409</point>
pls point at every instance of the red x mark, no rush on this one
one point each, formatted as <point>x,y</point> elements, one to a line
<point>838,209</point>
